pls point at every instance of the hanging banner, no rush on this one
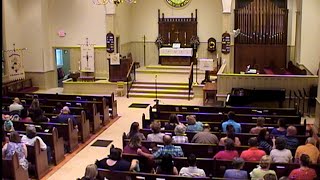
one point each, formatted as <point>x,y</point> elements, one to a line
<point>14,64</point>
<point>87,58</point>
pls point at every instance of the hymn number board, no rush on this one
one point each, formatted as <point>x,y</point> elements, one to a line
<point>226,42</point>
<point>110,42</point>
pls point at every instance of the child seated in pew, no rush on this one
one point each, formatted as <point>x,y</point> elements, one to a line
<point>230,135</point>
<point>236,173</point>
<point>229,151</point>
<point>260,124</point>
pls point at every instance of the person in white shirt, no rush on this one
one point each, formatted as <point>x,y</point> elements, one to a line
<point>16,105</point>
<point>31,137</point>
<point>280,154</point>
<point>192,170</point>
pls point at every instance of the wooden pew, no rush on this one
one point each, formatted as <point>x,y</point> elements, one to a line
<point>38,159</point>
<point>200,150</point>
<point>224,110</point>
<point>12,170</point>
<point>104,173</point>
<point>243,137</point>
<point>55,142</point>
<point>216,126</point>
<point>217,117</point>
<point>216,168</point>
<point>104,102</point>
<point>66,131</point>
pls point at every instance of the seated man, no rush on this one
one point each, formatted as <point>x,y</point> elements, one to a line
<point>205,137</point>
<point>309,149</point>
<point>237,126</point>
<point>16,106</point>
<point>192,170</point>
<point>174,151</point>
<point>253,153</point>
<point>64,116</point>
<point>292,142</point>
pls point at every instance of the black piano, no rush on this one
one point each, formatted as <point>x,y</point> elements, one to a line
<point>244,97</point>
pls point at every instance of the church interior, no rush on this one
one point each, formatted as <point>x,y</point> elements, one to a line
<point>115,63</point>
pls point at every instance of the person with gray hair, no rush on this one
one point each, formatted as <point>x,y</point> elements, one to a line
<point>180,134</point>
<point>309,149</point>
<point>236,173</point>
<point>31,137</point>
<point>16,105</point>
<point>292,141</point>
<point>205,137</point>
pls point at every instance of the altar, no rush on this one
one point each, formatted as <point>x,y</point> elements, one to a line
<point>175,56</point>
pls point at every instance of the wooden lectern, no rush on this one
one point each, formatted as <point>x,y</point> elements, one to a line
<point>119,72</point>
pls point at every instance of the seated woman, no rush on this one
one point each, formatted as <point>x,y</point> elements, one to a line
<point>114,162</point>
<point>91,173</point>
<point>263,169</point>
<point>193,125</point>
<point>230,135</point>
<point>236,173</point>
<point>265,142</point>
<point>134,130</point>
<point>281,130</point>
<point>280,154</point>
<point>173,122</point>
<point>156,135</point>
<point>229,153</point>
<point>166,166</point>
<point>24,115</point>
<point>180,134</point>
<point>15,146</point>
<point>134,145</point>
<point>304,172</point>
<point>257,129</point>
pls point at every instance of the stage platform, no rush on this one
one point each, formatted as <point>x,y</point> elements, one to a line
<point>96,87</point>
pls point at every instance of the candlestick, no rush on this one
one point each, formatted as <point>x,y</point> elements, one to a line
<point>185,38</point>
<point>217,56</point>
<point>169,37</point>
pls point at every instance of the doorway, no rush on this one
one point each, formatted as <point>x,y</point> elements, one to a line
<point>62,59</point>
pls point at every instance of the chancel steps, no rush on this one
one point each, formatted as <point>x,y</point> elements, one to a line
<point>164,90</point>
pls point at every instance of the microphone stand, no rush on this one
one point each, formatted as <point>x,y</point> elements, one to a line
<point>156,86</point>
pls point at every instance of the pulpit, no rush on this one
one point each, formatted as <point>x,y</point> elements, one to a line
<point>119,72</point>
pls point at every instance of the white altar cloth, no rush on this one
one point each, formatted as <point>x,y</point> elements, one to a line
<point>176,52</point>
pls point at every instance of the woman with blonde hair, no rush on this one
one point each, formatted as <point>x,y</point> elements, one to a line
<point>263,169</point>
<point>91,172</point>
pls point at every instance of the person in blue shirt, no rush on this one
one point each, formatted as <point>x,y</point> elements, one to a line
<point>193,125</point>
<point>64,116</point>
<point>237,126</point>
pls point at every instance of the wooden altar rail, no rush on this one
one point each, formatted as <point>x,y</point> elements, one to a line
<point>262,81</point>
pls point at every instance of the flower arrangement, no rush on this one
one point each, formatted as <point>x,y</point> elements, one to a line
<point>195,42</point>
<point>159,41</point>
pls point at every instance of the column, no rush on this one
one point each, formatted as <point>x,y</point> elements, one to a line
<point>227,26</point>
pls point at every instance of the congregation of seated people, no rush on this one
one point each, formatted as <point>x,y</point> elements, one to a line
<point>266,148</point>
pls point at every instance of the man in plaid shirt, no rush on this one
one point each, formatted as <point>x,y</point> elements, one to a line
<point>174,151</point>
